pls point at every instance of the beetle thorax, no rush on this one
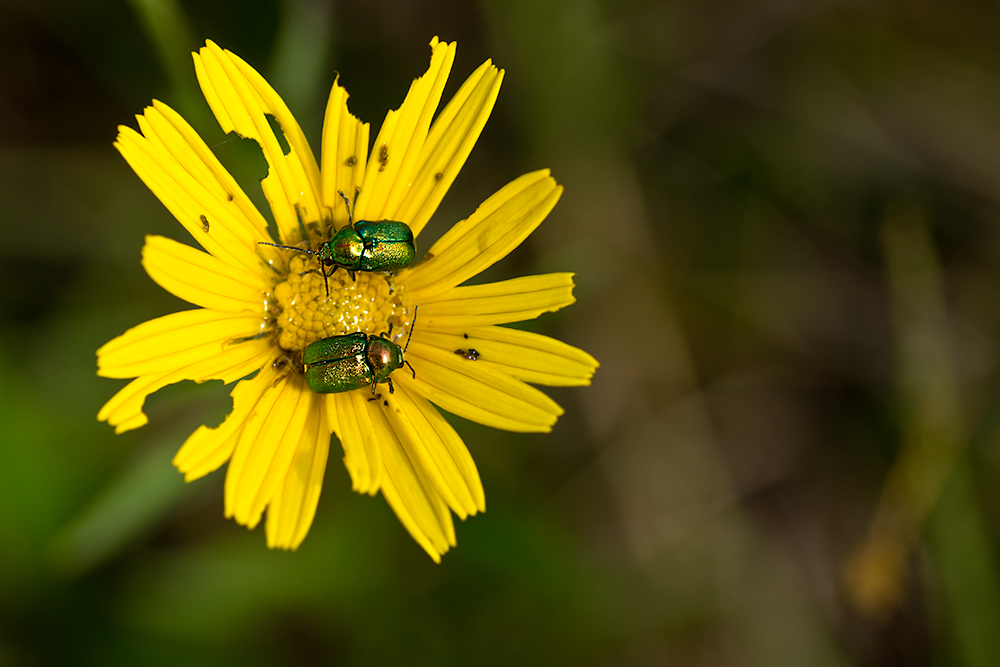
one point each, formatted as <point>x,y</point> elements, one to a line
<point>347,247</point>
<point>304,313</point>
<point>383,356</point>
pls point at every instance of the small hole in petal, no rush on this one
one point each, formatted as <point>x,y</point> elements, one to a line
<point>276,128</point>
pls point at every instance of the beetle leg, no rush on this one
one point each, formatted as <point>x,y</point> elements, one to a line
<point>326,282</point>
<point>391,390</point>
<point>411,368</point>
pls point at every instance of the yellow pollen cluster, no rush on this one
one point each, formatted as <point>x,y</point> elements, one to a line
<point>308,314</point>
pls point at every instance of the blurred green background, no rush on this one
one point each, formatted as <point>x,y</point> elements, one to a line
<point>783,216</point>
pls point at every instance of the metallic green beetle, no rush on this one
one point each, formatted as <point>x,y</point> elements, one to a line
<point>366,245</point>
<point>353,361</point>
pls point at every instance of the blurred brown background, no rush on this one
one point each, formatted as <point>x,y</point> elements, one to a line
<point>784,221</point>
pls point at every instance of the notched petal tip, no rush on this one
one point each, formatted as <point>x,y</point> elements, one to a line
<point>452,136</point>
<point>242,101</point>
<point>396,153</point>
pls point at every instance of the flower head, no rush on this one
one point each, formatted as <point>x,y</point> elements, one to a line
<point>261,306</point>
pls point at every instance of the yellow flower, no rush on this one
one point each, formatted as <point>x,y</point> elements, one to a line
<point>260,306</point>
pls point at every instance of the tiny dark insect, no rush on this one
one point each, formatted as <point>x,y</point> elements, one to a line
<point>351,161</point>
<point>470,354</point>
<point>204,223</point>
<point>229,196</point>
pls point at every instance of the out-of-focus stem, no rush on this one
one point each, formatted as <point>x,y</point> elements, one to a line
<point>168,30</point>
<point>929,413</point>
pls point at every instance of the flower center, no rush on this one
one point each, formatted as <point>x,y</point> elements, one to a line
<point>369,303</point>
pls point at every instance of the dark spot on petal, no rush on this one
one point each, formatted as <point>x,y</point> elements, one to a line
<point>383,157</point>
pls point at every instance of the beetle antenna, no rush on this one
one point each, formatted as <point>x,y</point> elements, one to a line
<point>302,226</point>
<point>308,252</point>
<point>410,335</point>
<point>288,247</point>
<point>347,203</point>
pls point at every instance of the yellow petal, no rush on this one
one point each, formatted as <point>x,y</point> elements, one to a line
<point>208,448</point>
<point>524,355</point>
<point>345,154</point>
<point>162,125</point>
<point>175,341</point>
<point>477,392</point>
<point>400,141</point>
<point>498,226</point>
<point>267,443</point>
<point>202,279</point>
<point>411,496</point>
<point>293,505</point>
<point>432,443</point>
<point>362,452</point>
<point>124,410</point>
<point>448,145</point>
<point>240,98</point>
<point>512,300</point>
<point>191,189</point>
